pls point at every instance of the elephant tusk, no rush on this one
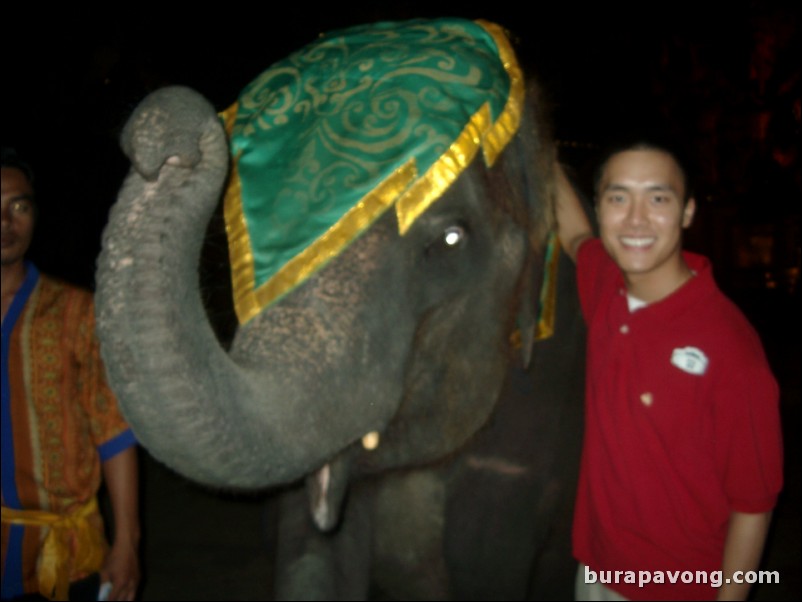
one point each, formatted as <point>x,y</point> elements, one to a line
<point>326,489</point>
<point>320,504</point>
<point>371,440</point>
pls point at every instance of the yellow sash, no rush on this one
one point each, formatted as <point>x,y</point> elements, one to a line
<point>58,559</point>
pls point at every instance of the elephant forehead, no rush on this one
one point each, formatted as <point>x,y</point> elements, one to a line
<point>364,119</point>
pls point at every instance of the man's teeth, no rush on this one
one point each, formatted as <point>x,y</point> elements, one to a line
<point>637,242</point>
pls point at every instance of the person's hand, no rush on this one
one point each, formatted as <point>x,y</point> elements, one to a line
<point>121,569</point>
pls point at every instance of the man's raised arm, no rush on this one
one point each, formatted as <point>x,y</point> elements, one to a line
<point>573,226</point>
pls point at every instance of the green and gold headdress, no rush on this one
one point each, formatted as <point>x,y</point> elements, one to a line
<point>363,119</point>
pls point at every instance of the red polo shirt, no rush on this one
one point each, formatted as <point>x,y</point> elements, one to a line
<point>682,428</point>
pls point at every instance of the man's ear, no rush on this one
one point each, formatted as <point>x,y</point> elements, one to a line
<point>688,212</point>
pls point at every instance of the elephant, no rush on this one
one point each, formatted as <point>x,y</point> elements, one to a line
<point>390,380</point>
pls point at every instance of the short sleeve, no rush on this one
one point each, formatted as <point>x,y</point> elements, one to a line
<point>593,268</point>
<point>748,434</point>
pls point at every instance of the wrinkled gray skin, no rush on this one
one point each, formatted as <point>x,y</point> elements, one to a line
<point>407,336</point>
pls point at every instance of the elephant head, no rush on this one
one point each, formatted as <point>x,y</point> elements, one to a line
<point>387,212</point>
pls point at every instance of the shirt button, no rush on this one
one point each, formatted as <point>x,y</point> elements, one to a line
<point>624,329</point>
<point>646,399</point>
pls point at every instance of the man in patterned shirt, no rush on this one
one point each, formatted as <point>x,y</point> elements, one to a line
<point>61,430</point>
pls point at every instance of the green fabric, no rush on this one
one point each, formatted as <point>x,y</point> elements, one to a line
<point>321,129</point>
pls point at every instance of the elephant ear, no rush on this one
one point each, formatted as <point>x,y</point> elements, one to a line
<point>539,303</point>
<point>535,143</point>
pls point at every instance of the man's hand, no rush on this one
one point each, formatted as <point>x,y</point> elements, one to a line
<point>121,567</point>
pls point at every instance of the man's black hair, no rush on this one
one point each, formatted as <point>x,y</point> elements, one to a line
<point>11,158</point>
<point>653,142</point>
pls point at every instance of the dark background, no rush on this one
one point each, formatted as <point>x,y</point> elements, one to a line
<point>727,81</point>
<point>724,78</point>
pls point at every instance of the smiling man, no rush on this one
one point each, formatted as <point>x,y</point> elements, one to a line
<point>682,458</point>
<point>642,209</point>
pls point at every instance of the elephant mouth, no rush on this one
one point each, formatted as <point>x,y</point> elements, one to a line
<point>327,487</point>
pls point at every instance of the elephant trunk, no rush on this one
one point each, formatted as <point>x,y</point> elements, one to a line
<point>185,398</point>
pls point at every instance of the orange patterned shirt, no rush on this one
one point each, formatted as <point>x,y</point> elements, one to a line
<point>59,418</point>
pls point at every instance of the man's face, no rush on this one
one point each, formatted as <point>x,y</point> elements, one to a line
<point>17,216</point>
<point>641,216</point>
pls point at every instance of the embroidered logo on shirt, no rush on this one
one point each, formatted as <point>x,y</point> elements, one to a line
<point>690,360</point>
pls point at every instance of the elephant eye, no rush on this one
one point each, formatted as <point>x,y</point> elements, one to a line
<point>453,235</point>
<point>450,238</point>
